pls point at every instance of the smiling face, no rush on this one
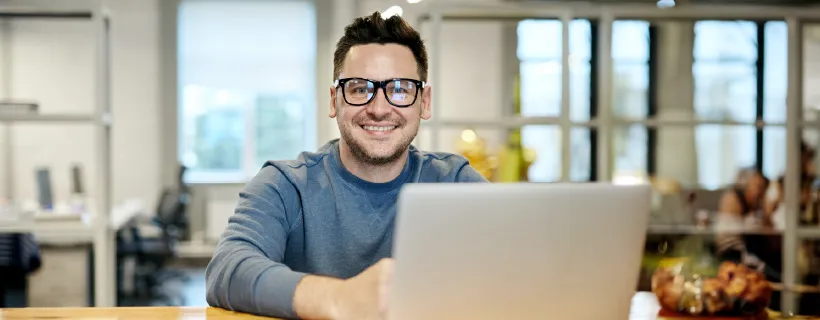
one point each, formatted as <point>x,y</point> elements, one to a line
<point>378,133</point>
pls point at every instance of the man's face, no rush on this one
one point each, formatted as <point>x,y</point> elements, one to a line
<point>378,132</point>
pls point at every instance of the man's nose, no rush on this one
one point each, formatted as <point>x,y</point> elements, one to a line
<point>379,107</point>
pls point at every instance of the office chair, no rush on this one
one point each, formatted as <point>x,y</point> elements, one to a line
<point>19,257</point>
<point>152,254</point>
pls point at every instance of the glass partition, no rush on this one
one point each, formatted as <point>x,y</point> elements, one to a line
<point>695,107</point>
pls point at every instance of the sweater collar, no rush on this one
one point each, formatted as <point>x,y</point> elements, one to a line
<point>367,185</point>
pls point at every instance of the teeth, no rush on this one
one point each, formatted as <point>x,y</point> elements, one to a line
<point>375,128</point>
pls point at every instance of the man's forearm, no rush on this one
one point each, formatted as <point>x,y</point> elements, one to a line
<point>315,297</point>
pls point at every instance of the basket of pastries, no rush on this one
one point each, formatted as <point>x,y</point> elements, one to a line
<point>734,291</point>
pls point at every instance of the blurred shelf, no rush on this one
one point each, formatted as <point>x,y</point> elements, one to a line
<point>501,122</point>
<point>20,12</point>
<point>519,121</point>
<point>808,232</point>
<point>97,233</point>
<point>681,229</point>
<point>25,106</point>
<point>693,122</point>
<point>11,117</point>
<point>799,288</point>
<point>61,232</point>
<point>810,124</point>
<point>505,122</point>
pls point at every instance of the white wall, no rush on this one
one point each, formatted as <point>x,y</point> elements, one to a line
<point>53,63</point>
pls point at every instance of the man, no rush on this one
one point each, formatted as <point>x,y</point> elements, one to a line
<point>312,238</point>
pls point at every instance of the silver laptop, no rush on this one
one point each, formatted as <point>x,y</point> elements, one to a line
<point>518,251</point>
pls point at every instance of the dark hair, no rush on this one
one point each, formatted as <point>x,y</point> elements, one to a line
<point>375,29</point>
<point>746,174</point>
<point>806,150</point>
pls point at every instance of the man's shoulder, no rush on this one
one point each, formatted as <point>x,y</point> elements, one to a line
<point>440,160</point>
<point>445,166</point>
<point>293,172</point>
<point>297,169</point>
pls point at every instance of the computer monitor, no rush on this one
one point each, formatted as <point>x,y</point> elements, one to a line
<point>44,191</point>
<point>518,251</point>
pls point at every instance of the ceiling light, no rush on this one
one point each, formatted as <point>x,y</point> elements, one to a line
<point>666,3</point>
<point>413,1</point>
<point>392,11</point>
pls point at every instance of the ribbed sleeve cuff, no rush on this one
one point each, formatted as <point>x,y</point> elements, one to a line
<point>274,292</point>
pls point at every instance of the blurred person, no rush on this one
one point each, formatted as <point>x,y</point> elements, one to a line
<point>776,195</point>
<point>747,197</point>
<point>808,251</point>
<point>312,238</point>
<point>743,234</point>
<point>741,209</point>
<point>764,251</point>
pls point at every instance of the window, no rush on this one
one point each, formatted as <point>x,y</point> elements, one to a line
<point>540,54</point>
<point>245,97</point>
<point>725,55</point>
<point>630,97</point>
<point>775,83</point>
<point>727,87</point>
<point>738,78</point>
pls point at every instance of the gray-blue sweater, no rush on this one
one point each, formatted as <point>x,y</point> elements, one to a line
<point>312,216</point>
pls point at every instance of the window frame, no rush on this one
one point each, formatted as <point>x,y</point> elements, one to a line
<point>588,125</point>
<point>760,97</point>
<point>653,103</point>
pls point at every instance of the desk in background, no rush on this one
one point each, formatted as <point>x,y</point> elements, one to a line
<point>66,250</point>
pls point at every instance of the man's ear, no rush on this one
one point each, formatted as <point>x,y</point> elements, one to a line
<point>332,113</point>
<point>426,102</point>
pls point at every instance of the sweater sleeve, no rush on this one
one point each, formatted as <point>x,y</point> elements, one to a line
<point>246,272</point>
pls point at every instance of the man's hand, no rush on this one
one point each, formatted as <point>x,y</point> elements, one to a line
<point>365,296</point>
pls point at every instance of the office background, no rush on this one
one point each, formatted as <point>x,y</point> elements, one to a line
<point>220,86</point>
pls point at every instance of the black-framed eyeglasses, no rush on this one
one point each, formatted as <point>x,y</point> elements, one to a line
<point>399,92</point>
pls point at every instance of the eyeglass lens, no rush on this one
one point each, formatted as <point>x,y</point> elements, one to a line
<point>398,92</point>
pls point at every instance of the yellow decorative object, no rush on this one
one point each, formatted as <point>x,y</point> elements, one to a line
<point>665,186</point>
<point>472,147</point>
<point>514,160</point>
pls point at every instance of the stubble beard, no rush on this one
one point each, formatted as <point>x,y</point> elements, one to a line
<point>360,152</point>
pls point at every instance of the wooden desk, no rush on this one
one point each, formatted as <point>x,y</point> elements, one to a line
<point>129,313</point>
<point>161,313</point>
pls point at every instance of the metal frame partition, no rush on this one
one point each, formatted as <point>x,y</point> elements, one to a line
<point>603,120</point>
<point>103,248</point>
